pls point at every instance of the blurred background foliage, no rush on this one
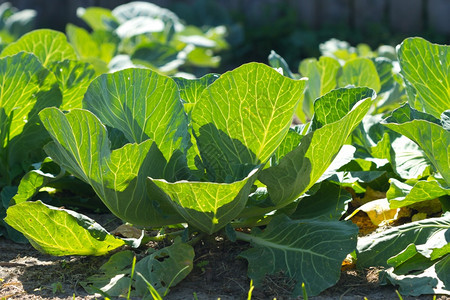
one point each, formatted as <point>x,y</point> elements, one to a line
<point>294,29</point>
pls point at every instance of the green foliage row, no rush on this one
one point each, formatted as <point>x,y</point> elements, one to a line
<point>211,155</point>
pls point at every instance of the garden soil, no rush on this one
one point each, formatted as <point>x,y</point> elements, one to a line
<point>218,273</point>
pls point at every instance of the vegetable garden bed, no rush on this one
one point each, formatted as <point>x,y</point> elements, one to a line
<point>211,168</point>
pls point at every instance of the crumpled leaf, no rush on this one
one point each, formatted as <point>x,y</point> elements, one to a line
<point>36,179</point>
<point>378,211</point>
<point>163,269</point>
<point>433,280</point>
<point>416,272</point>
<point>401,194</point>
<point>375,250</point>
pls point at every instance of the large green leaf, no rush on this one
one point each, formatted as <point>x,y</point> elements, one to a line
<point>27,88</point>
<point>239,121</point>
<point>74,78</point>
<point>48,45</point>
<point>60,232</point>
<point>144,105</point>
<point>208,206</point>
<point>28,84</point>
<point>310,251</point>
<point>119,177</point>
<point>375,250</point>
<point>427,132</point>
<point>360,72</point>
<point>303,166</point>
<point>243,116</point>
<point>426,68</point>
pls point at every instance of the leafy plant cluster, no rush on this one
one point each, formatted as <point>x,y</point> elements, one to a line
<point>142,34</point>
<point>219,155</point>
<point>14,23</point>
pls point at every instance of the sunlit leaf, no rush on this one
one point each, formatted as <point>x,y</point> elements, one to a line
<point>48,45</point>
<point>60,232</point>
<point>425,66</point>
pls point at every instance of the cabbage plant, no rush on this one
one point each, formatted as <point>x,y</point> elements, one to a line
<point>38,70</point>
<point>219,154</point>
<point>214,153</point>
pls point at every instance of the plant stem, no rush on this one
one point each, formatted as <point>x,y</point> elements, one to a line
<point>197,239</point>
<point>161,237</point>
<point>243,236</point>
<point>252,222</point>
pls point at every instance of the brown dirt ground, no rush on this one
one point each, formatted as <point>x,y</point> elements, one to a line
<point>218,273</point>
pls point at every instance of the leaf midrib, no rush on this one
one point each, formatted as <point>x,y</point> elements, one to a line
<point>264,243</point>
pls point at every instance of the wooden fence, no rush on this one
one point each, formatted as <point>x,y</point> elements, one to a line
<point>400,16</point>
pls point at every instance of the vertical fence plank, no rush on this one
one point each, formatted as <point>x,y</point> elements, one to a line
<point>259,13</point>
<point>306,12</point>
<point>405,16</point>
<point>110,4</point>
<point>334,12</point>
<point>439,15</point>
<point>368,12</point>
